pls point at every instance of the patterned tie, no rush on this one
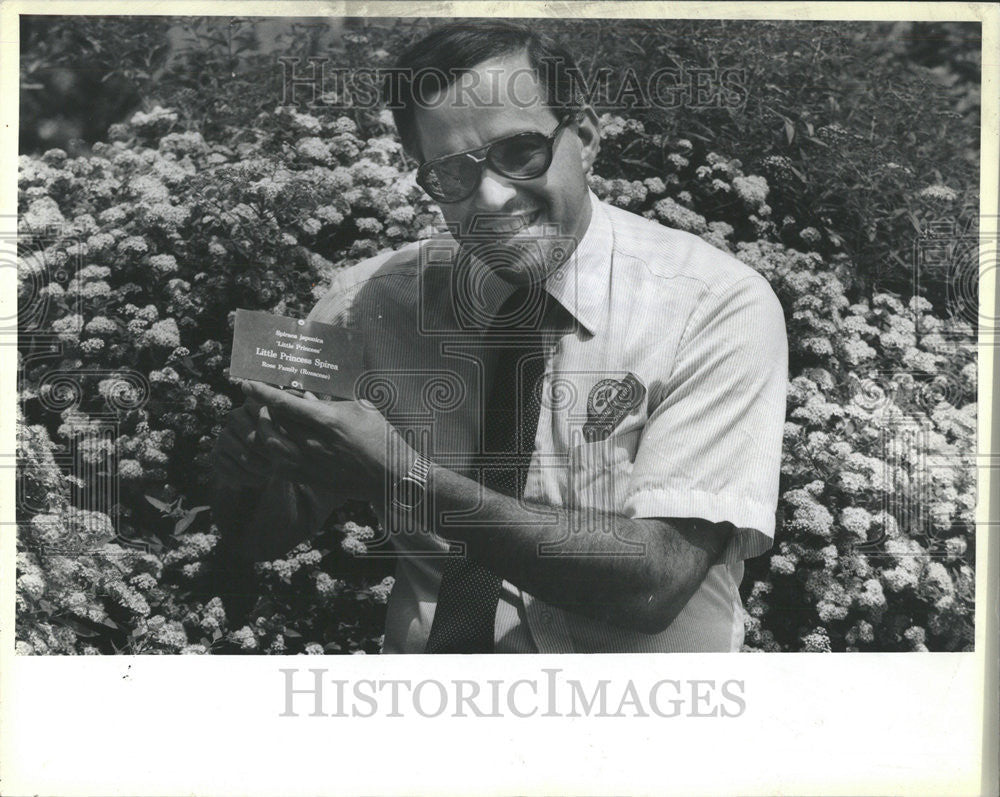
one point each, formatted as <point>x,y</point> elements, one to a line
<point>467,600</point>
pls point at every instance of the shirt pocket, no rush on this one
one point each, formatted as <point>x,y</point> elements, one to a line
<point>599,471</point>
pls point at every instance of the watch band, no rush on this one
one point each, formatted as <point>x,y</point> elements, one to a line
<point>420,469</point>
<point>415,479</point>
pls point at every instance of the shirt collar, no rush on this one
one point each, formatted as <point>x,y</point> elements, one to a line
<point>582,283</point>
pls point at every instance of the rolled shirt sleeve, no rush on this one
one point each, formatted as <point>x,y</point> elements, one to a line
<point>711,448</point>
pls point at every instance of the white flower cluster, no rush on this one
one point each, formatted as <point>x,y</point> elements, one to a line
<point>675,215</point>
<point>940,193</point>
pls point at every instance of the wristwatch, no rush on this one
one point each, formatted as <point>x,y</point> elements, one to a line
<point>408,492</point>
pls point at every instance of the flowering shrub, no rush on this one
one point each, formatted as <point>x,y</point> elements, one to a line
<point>144,248</point>
<point>878,479</point>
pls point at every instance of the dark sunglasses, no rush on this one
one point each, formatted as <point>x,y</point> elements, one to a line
<point>522,156</point>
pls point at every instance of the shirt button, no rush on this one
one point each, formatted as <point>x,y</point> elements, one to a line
<point>546,617</point>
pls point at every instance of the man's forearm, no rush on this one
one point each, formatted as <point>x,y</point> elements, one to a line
<point>632,572</point>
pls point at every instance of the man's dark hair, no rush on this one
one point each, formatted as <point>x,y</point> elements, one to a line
<point>435,61</point>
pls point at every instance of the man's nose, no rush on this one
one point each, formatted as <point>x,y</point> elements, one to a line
<point>494,192</point>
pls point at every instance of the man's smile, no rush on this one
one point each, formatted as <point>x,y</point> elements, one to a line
<point>506,224</point>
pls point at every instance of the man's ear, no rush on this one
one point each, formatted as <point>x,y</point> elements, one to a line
<point>589,130</point>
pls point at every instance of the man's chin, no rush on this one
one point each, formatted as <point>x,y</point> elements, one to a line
<point>531,265</point>
<point>520,256</point>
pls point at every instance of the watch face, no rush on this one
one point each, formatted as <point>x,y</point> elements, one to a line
<point>409,493</point>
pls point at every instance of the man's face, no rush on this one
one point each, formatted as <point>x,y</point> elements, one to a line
<point>499,98</point>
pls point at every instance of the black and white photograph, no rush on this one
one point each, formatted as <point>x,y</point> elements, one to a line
<point>462,334</point>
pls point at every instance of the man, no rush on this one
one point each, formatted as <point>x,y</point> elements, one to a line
<point>610,450</point>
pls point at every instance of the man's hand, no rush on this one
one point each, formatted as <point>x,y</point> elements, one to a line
<point>239,458</point>
<point>341,445</point>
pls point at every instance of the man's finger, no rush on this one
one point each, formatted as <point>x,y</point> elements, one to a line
<point>241,436</point>
<point>239,442</point>
<point>252,405</point>
<point>275,441</point>
<point>254,458</point>
<point>229,468</point>
<point>286,408</point>
<point>291,429</point>
<point>242,423</point>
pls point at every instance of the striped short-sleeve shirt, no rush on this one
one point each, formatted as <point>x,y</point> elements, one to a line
<point>696,340</point>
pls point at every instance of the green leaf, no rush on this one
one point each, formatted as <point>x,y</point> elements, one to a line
<point>182,525</point>
<point>162,506</point>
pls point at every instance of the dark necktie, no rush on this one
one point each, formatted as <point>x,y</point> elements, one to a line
<point>467,599</point>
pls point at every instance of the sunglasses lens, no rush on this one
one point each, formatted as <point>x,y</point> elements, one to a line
<point>522,156</point>
<point>451,179</point>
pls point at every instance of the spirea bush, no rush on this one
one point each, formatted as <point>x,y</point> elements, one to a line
<point>137,255</point>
